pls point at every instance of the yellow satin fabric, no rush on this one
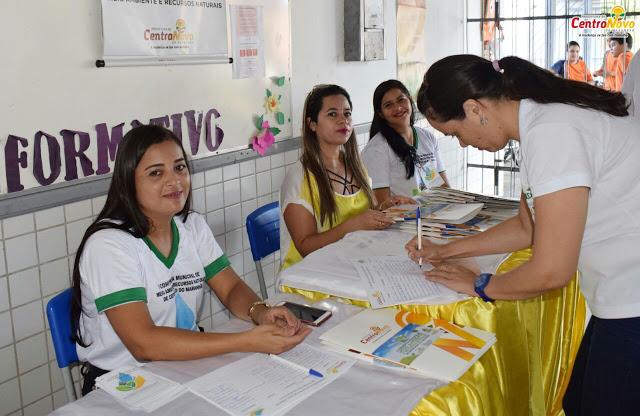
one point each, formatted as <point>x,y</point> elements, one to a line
<point>527,371</point>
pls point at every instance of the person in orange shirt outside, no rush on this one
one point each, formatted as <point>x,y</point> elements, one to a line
<point>574,67</point>
<point>608,69</point>
<point>621,49</point>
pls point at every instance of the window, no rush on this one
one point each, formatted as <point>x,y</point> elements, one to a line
<point>536,30</point>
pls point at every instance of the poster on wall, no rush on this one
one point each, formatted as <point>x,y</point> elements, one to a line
<point>247,40</point>
<point>411,43</point>
<point>164,31</point>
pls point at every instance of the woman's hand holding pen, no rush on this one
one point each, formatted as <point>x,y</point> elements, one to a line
<point>429,253</point>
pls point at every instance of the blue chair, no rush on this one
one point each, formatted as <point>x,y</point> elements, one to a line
<point>263,228</point>
<point>59,316</point>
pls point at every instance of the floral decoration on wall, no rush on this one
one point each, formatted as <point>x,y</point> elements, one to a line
<point>266,135</point>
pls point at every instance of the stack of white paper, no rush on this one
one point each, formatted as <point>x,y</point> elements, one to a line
<point>139,389</point>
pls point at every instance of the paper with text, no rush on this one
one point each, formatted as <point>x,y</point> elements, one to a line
<point>259,385</point>
<point>395,280</point>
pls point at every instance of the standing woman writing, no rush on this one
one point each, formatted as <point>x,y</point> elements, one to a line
<point>401,159</point>
<point>139,272</point>
<point>579,171</point>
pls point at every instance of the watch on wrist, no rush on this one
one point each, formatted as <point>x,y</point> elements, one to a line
<point>480,284</point>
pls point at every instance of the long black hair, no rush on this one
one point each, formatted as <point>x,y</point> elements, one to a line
<point>121,210</point>
<point>452,80</point>
<point>405,152</point>
<point>311,158</point>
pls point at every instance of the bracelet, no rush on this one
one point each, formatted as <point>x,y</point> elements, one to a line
<point>253,306</point>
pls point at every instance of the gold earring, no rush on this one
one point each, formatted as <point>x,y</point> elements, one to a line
<point>483,120</point>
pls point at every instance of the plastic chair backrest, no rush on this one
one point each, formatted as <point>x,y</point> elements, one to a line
<point>263,228</point>
<point>59,316</point>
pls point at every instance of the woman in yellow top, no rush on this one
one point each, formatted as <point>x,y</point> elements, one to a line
<point>575,68</point>
<point>327,194</point>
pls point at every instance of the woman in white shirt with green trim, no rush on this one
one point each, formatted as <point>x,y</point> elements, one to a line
<point>139,271</point>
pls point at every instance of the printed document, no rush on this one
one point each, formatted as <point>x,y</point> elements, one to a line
<point>395,280</point>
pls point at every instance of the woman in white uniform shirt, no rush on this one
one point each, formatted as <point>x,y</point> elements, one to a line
<point>579,153</point>
<point>401,159</point>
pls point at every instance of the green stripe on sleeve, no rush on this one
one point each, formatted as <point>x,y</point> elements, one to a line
<point>135,294</point>
<point>216,267</point>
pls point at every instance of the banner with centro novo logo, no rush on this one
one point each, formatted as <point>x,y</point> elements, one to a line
<point>164,31</point>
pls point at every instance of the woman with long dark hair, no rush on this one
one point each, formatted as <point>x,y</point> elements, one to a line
<point>401,159</point>
<point>579,170</point>
<point>139,271</point>
<point>327,193</point>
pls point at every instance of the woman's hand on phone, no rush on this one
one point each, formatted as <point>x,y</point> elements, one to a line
<point>282,317</point>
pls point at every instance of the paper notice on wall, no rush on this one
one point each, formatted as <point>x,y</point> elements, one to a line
<point>247,40</point>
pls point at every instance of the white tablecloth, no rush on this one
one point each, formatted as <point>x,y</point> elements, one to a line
<point>364,389</point>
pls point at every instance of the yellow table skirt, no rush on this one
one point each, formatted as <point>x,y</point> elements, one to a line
<point>527,371</point>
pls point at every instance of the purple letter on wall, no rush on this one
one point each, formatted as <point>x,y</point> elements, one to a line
<point>14,160</point>
<point>54,158</point>
<point>71,153</point>
<point>107,146</point>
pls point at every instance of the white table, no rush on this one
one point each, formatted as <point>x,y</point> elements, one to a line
<point>364,389</point>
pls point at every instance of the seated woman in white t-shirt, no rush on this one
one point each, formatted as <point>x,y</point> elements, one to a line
<point>579,170</point>
<point>401,159</point>
<point>140,269</point>
<point>327,194</point>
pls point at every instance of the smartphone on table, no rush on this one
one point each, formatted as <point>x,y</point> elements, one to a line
<point>307,314</point>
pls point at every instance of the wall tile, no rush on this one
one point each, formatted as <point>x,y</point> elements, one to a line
<point>231,192</point>
<point>8,369</point>
<point>75,232</point>
<point>264,200</point>
<point>277,176</point>
<point>234,243</point>
<point>49,217</point>
<point>57,381</point>
<point>214,197</point>
<point>9,397</point>
<point>222,242</point>
<point>52,244</point>
<point>6,331</point>
<point>291,157</point>
<point>237,263</point>
<point>21,224</point>
<point>197,180</point>
<point>35,384</point>
<point>247,208</point>
<point>4,294</point>
<point>277,160</point>
<point>21,252</point>
<point>248,187</point>
<point>263,164</point>
<point>46,300</point>
<point>232,217</point>
<point>230,172</point>
<point>249,264</point>
<point>32,352</point>
<point>219,319</point>
<point>3,268</point>
<point>213,176</point>
<point>215,220</point>
<point>78,210</point>
<point>54,276</point>
<point>59,399</point>
<point>216,305</point>
<point>97,204</point>
<point>247,168</point>
<point>40,408</point>
<point>263,181</point>
<point>198,200</point>
<point>24,286</point>
<point>28,319</point>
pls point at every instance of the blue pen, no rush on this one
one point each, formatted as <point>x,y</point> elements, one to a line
<point>310,371</point>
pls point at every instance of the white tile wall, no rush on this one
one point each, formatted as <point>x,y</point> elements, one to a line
<point>39,253</point>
